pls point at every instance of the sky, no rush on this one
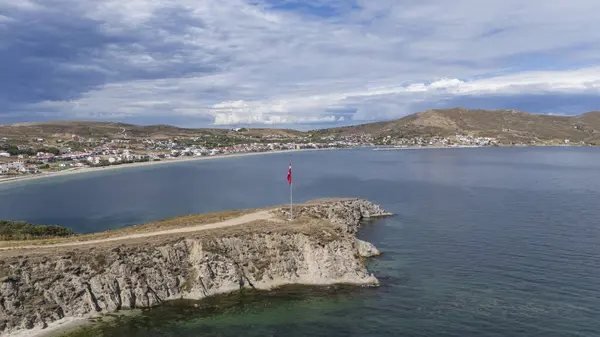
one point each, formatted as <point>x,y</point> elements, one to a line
<point>293,63</point>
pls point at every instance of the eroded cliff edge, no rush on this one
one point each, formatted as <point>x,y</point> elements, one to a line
<point>46,284</point>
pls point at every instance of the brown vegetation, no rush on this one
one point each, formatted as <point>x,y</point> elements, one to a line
<point>66,129</point>
<point>506,125</point>
<point>178,222</point>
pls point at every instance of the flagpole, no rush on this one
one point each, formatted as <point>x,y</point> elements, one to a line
<point>291,189</point>
<point>289,179</point>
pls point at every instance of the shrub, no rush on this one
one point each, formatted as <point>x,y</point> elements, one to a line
<point>20,230</point>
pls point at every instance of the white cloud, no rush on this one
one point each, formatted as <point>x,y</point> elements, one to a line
<point>180,98</point>
<point>372,61</point>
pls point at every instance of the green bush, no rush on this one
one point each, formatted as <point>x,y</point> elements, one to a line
<point>20,230</point>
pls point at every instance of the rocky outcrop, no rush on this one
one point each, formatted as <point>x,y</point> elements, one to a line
<point>318,248</point>
<point>366,249</point>
<point>343,214</point>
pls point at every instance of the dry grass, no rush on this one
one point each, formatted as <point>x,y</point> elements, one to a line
<point>178,222</point>
<point>505,125</point>
<point>304,226</point>
<point>278,223</point>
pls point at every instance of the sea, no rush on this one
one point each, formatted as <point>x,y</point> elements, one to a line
<point>484,241</point>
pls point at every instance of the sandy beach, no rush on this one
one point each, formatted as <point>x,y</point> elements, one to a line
<point>132,165</point>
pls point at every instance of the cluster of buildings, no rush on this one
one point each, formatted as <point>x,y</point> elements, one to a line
<point>94,152</point>
<point>457,140</point>
<point>104,152</point>
<point>18,167</point>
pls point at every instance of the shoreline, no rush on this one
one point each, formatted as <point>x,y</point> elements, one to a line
<point>73,171</point>
<point>191,262</point>
<point>438,147</point>
<point>68,172</point>
<point>58,328</point>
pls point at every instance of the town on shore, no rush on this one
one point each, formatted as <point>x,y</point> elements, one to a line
<point>39,156</point>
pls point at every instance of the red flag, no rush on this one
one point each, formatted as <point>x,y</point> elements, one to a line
<point>289,177</point>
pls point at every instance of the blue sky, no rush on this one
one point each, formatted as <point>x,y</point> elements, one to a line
<point>293,63</point>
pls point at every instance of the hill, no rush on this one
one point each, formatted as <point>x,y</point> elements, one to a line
<point>507,126</point>
<point>84,129</point>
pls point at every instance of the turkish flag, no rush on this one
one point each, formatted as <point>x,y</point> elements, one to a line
<point>289,177</point>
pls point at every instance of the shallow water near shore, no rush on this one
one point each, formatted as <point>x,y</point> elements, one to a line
<point>237,311</point>
<point>485,242</point>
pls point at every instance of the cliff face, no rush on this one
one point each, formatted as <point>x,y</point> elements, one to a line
<point>318,248</point>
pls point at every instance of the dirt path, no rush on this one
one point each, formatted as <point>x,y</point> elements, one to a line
<point>261,215</point>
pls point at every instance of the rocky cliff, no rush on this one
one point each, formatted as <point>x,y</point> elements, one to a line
<point>43,285</point>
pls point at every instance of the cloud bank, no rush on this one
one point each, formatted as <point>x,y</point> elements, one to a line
<point>293,63</point>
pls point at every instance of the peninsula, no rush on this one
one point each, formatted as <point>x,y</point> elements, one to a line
<point>46,282</point>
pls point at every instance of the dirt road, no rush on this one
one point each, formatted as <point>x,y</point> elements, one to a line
<point>261,215</point>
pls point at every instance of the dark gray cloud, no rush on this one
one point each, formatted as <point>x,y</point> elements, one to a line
<point>56,54</point>
<point>40,52</point>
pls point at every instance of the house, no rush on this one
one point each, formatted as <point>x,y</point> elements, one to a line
<point>16,165</point>
<point>4,139</point>
<point>93,160</point>
<point>3,168</point>
<point>30,170</point>
<point>112,160</point>
<point>199,152</point>
<point>4,154</point>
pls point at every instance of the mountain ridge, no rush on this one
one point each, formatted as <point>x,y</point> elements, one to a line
<point>507,125</point>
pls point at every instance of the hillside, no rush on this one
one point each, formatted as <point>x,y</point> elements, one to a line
<point>508,126</point>
<point>84,129</point>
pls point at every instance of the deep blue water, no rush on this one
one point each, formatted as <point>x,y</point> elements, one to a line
<point>485,242</point>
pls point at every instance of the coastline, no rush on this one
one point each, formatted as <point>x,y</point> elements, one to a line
<point>436,147</point>
<point>235,155</point>
<point>208,260</point>
<point>58,328</point>
<point>132,165</point>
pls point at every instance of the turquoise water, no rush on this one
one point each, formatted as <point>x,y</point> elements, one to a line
<point>485,242</point>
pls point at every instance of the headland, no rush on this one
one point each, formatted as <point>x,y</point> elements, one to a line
<point>44,285</point>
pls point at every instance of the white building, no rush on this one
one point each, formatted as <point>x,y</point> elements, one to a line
<point>16,165</point>
<point>93,160</point>
<point>4,154</point>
